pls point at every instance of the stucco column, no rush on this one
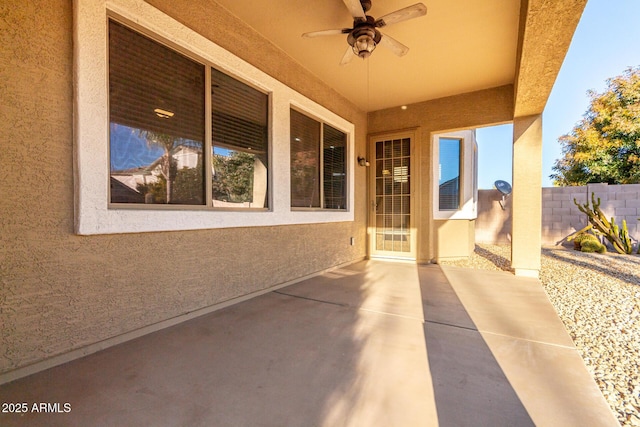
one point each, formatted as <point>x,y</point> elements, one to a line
<point>526,226</point>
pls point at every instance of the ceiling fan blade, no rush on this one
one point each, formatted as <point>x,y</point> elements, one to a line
<point>348,56</point>
<point>327,32</point>
<point>355,8</point>
<point>393,45</point>
<point>404,14</point>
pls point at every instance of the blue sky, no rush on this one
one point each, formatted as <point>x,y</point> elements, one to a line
<point>606,42</point>
<point>128,150</point>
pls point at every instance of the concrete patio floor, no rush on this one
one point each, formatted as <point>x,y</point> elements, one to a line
<point>372,344</point>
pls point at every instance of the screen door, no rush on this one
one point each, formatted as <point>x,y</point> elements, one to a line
<point>391,220</point>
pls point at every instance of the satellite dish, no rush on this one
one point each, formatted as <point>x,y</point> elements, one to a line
<point>504,188</point>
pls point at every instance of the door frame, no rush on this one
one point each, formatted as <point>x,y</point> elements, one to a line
<point>414,193</point>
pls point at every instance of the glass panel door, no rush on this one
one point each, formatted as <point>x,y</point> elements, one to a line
<point>392,198</point>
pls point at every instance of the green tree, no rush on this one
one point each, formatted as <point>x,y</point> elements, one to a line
<point>233,177</point>
<point>605,145</point>
<point>187,188</point>
<point>168,166</point>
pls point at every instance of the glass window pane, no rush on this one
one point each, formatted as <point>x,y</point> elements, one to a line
<point>406,150</point>
<point>334,168</point>
<point>449,173</point>
<point>387,168</point>
<point>156,113</point>
<point>397,147</point>
<point>239,179</point>
<point>397,204</point>
<point>387,149</point>
<point>239,129</point>
<point>305,161</point>
<point>317,181</point>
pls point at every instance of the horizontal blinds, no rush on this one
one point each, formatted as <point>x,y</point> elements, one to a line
<point>144,76</point>
<point>334,171</point>
<point>239,115</point>
<point>305,161</point>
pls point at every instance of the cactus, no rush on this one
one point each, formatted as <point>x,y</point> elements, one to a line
<point>587,242</point>
<point>624,236</point>
<point>592,241</point>
<point>619,238</point>
<point>594,245</point>
<point>580,237</point>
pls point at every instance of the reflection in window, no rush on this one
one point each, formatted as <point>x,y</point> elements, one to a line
<point>157,127</point>
<point>239,143</point>
<point>449,150</point>
<point>156,101</point>
<point>318,164</point>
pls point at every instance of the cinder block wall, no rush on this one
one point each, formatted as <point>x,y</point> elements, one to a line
<point>560,215</point>
<point>493,224</point>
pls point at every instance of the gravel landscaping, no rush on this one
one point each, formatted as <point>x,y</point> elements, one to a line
<point>598,299</point>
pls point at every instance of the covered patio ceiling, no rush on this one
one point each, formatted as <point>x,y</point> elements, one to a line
<point>458,47</point>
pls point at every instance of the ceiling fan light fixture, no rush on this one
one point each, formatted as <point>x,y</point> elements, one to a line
<point>364,40</point>
<point>364,36</point>
<point>163,114</point>
<point>363,46</point>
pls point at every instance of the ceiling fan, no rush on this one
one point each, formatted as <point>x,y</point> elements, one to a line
<point>364,36</point>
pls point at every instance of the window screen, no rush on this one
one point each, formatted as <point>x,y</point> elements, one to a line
<point>449,173</point>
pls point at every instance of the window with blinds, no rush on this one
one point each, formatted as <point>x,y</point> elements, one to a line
<point>158,150</point>
<point>450,158</point>
<point>318,164</point>
<point>334,147</point>
<point>239,138</point>
<point>156,106</point>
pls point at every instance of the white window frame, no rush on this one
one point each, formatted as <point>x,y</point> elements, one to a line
<point>91,130</point>
<point>468,176</point>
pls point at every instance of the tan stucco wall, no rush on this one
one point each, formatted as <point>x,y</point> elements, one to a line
<point>546,30</point>
<point>475,109</point>
<point>454,238</point>
<point>526,218</point>
<point>60,291</point>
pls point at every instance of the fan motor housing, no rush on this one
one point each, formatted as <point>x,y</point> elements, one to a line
<point>366,5</point>
<point>361,28</point>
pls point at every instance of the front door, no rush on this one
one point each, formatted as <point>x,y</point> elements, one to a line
<point>391,197</point>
